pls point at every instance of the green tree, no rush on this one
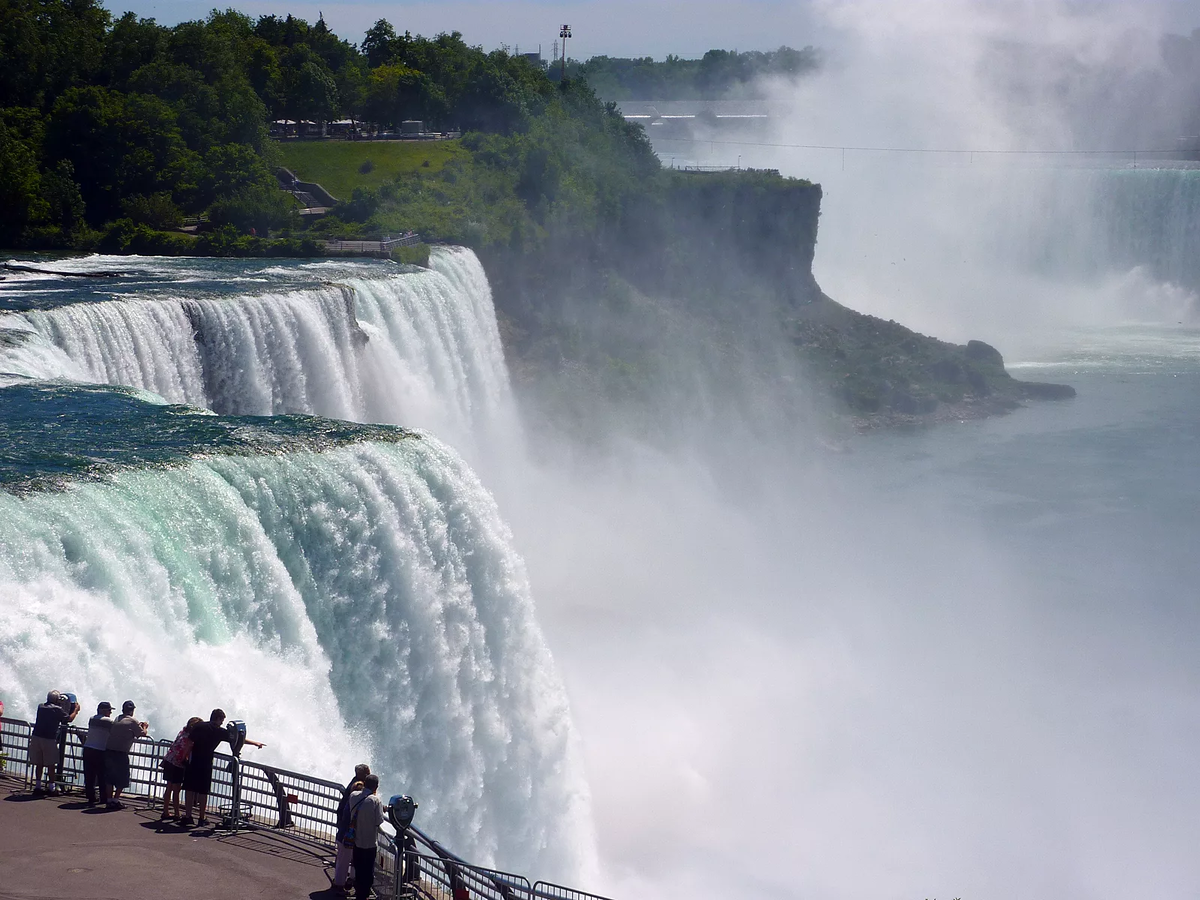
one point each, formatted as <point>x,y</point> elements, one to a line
<point>396,92</point>
<point>380,44</point>
<point>130,44</point>
<point>352,90</point>
<point>64,201</point>
<point>20,187</point>
<point>47,46</point>
<point>265,75</point>
<point>119,145</point>
<point>240,190</point>
<point>308,88</point>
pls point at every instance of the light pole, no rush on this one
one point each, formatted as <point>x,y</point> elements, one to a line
<point>564,33</point>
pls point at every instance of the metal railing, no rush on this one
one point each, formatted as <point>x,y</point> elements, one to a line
<point>385,245</point>
<point>355,246</point>
<point>405,240</point>
<point>250,795</point>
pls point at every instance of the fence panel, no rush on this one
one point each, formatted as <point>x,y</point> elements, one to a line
<point>545,890</point>
<point>438,877</point>
<point>14,742</point>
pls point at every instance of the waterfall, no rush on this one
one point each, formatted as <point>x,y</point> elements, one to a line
<point>419,348</point>
<point>351,592</point>
<point>1122,218</point>
<point>1005,251</point>
<point>362,602</point>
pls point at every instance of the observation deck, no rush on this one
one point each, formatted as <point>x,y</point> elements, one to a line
<point>57,847</point>
<point>272,837</point>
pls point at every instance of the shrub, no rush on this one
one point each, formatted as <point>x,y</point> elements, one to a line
<point>156,210</point>
<point>416,255</point>
<point>127,236</point>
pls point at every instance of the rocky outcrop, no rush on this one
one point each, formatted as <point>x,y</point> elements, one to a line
<point>727,249</point>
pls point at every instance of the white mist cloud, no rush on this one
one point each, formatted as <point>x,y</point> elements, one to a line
<point>935,213</point>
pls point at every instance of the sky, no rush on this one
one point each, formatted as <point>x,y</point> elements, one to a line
<point>599,27</point>
<point>612,27</point>
<point>603,27</point>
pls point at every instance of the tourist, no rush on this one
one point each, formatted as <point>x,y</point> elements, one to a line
<point>95,784</point>
<point>174,767</point>
<point>197,780</point>
<point>345,850</point>
<point>124,732</point>
<point>365,815</point>
<point>56,712</point>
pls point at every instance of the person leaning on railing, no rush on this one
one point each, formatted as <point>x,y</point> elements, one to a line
<point>56,712</point>
<point>95,784</point>
<point>124,732</point>
<point>197,781</point>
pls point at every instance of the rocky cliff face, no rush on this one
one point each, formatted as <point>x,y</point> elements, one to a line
<point>724,261</point>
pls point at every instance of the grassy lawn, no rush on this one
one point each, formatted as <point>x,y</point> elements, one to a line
<point>337,165</point>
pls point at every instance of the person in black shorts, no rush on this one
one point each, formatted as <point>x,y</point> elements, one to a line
<point>197,780</point>
<point>121,737</point>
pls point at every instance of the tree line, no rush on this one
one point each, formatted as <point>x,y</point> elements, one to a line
<point>107,119</point>
<point>718,75</point>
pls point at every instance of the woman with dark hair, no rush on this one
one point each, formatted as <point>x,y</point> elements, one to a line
<point>174,767</point>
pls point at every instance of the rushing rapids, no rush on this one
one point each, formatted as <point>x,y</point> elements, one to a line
<point>349,590</point>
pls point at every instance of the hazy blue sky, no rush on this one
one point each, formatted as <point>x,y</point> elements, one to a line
<point>613,27</point>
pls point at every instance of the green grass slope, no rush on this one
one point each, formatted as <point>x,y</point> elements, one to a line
<point>342,166</point>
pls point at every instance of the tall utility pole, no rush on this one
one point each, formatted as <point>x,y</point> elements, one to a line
<point>564,33</point>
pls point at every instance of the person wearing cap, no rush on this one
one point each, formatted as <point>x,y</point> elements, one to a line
<point>43,743</point>
<point>95,785</point>
<point>124,732</point>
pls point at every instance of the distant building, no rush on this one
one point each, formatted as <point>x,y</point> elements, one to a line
<point>412,126</point>
<point>535,59</point>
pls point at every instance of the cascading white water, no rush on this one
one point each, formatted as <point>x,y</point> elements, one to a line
<point>1084,221</point>
<point>418,349</point>
<point>358,602</point>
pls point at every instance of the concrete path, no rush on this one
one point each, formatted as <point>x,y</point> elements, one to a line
<point>54,847</point>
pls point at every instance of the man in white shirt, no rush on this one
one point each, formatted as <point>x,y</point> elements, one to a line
<point>121,736</point>
<point>94,745</point>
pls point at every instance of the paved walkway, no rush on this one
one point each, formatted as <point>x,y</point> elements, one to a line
<point>54,847</point>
